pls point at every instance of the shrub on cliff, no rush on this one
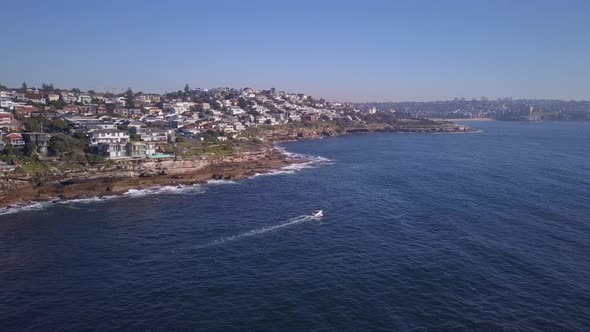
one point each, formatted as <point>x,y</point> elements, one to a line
<point>95,159</point>
<point>32,168</point>
<point>74,156</point>
<point>62,143</point>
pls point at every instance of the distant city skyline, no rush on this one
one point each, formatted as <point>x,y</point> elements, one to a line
<point>339,50</point>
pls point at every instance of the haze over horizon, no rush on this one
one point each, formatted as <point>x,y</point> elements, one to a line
<point>339,50</point>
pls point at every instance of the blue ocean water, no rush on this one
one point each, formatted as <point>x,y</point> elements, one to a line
<point>484,231</point>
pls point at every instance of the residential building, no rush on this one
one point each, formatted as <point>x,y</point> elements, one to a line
<point>16,140</point>
<point>20,96</point>
<point>152,110</point>
<point>49,97</point>
<point>5,119</point>
<point>112,150</point>
<point>84,99</point>
<point>235,110</point>
<point>150,98</point>
<point>25,111</point>
<point>40,140</point>
<point>10,104</point>
<point>35,97</point>
<point>69,97</point>
<point>121,111</point>
<point>133,126</point>
<point>189,130</point>
<point>239,127</point>
<point>91,126</point>
<point>141,149</point>
<point>157,135</point>
<point>110,136</point>
<point>6,95</point>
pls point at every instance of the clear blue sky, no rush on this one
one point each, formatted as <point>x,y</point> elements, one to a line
<point>341,50</point>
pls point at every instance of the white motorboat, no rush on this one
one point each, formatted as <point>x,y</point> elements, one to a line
<point>318,214</point>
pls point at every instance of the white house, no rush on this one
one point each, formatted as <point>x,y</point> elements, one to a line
<point>113,150</point>
<point>110,136</point>
<point>69,97</point>
<point>84,99</point>
<point>239,127</point>
<point>236,110</point>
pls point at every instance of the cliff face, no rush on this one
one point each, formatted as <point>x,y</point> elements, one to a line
<point>317,131</point>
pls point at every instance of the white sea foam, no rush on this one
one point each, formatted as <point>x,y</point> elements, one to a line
<point>180,189</point>
<point>85,200</point>
<point>311,162</point>
<point>215,182</point>
<point>25,207</point>
<point>35,206</point>
<point>293,155</point>
<point>257,231</point>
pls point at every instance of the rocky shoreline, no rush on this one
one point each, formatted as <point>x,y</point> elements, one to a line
<point>128,175</point>
<point>122,176</point>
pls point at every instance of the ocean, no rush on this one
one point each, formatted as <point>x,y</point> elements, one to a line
<point>483,231</point>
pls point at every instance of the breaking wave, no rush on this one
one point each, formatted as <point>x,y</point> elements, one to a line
<point>293,155</point>
<point>85,200</point>
<point>214,182</point>
<point>35,206</point>
<point>25,207</point>
<point>180,189</point>
<point>309,161</point>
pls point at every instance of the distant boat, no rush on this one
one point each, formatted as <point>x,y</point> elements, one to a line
<point>318,213</point>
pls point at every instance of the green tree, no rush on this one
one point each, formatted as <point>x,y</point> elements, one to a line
<point>57,126</point>
<point>24,86</point>
<point>61,144</point>
<point>60,103</point>
<point>187,90</point>
<point>33,124</point>
<point>129,98</point>
<point>243,103</point>
<point>9,150</point>
<point>47,87</point>
<point>74,156</point>
<point>95,159</point>
<point>30,149</point>
<point>80,136</point>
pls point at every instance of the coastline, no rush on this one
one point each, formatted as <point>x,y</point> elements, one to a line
<point>465,119</point>
<point>109,184</point>
<point>125,177</point>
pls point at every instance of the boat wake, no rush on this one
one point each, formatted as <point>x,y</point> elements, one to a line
<point>257,231</point>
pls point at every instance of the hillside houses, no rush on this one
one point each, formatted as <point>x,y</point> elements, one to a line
<point>119,126</point>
